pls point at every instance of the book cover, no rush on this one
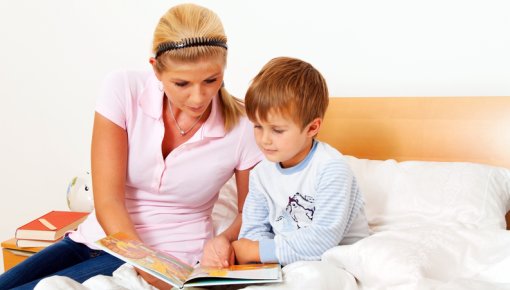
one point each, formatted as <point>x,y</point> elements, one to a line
<point>179,274</point>
<point>51,226</point>
<point>35,243</point>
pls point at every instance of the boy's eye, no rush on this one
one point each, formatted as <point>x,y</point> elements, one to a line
<point>278,131</point>
<point>210,81</point>
<point>257,127</point>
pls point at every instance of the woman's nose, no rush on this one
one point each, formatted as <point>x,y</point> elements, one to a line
<point>197,95</point>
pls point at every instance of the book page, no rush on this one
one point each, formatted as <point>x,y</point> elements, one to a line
<point>162,265</point>
<point>248,272</point>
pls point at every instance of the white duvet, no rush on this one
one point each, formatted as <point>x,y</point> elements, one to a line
<point>428,257</point>
<point>437,225</point>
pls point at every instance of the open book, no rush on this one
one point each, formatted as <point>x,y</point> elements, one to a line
<point>179,274</point>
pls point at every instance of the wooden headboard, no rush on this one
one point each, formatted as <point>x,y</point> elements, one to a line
<point>471,129</point>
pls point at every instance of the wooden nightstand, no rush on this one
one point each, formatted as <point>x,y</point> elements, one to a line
<point>14,255</point>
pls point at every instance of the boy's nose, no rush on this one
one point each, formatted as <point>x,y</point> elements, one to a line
<point>266,138</point>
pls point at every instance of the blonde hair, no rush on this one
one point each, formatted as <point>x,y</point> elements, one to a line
<point>190,21</point>
<point>288,86</point>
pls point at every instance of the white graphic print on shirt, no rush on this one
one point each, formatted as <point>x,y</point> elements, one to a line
<point>298,212</point>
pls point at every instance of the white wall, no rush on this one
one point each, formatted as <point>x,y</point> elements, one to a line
<point>54,54</point>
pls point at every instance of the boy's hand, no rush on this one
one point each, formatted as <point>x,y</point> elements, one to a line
<point>246,251</point>
<point>217,252</point>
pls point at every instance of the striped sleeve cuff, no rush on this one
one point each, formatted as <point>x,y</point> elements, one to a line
<point>267,251</point>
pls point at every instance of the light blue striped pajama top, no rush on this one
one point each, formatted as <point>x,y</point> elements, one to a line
<point>300,212</point>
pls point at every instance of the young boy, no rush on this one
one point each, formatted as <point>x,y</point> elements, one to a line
<point>304,199</point>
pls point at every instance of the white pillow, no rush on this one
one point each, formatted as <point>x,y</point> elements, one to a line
<point>225,208</point>
<point>410,193</point>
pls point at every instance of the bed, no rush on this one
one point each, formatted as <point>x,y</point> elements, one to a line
<point>435,179</point>
<point>437,203</point>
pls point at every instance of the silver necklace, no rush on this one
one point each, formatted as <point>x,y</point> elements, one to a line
<point>181,131</point>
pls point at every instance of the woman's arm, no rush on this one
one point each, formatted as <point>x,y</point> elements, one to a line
<point>242,180</point>
<point>218,251</point>
<point>109,168</point>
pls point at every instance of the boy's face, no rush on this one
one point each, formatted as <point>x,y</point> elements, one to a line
<point>282,140</point>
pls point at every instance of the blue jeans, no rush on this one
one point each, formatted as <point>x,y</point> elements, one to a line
<point>64,258</point>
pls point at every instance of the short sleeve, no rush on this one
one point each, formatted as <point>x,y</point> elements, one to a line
<point>111,102</point>
<point>248,151</point>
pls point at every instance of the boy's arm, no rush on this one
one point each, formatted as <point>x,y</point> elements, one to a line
<point>246,251</point>
<point>337,204</point>
<point>255,228</point>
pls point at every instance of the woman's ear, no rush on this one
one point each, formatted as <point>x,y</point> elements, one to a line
<point>152,61</point>
<point>313,127</point>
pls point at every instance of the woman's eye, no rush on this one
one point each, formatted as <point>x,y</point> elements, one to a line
<point>181,84</point>
<point>210,81</point>
<point>258,127</point>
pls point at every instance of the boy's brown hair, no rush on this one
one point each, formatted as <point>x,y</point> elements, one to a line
<point>288,86</point>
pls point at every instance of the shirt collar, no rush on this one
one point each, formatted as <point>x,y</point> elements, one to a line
<point>298,167</point>
<point>151,99</point>
<point>214,126</point>
<point>151,103</point>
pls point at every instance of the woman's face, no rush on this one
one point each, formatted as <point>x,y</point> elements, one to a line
<point>191,86</point>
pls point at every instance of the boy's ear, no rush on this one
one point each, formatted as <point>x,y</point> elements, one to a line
<point>313,127</point>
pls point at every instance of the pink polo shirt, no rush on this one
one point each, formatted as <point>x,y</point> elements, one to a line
<point>170,200</point>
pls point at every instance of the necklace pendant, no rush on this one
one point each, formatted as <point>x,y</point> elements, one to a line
<point>181,131</point>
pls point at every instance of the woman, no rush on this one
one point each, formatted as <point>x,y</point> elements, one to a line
<point>164,142</point>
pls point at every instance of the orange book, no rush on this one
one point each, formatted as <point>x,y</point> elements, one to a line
<point>51,226</point>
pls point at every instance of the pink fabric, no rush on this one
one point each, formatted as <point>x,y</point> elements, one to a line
<point>170,200</point>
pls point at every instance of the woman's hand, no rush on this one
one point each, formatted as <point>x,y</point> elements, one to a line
<point>160,284</point>
<point>218,252</point>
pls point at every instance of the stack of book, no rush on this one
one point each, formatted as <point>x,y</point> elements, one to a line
<point>48,228</point>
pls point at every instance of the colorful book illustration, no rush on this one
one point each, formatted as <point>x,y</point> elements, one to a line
<point>179,274</point>
<point>51,226</point>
